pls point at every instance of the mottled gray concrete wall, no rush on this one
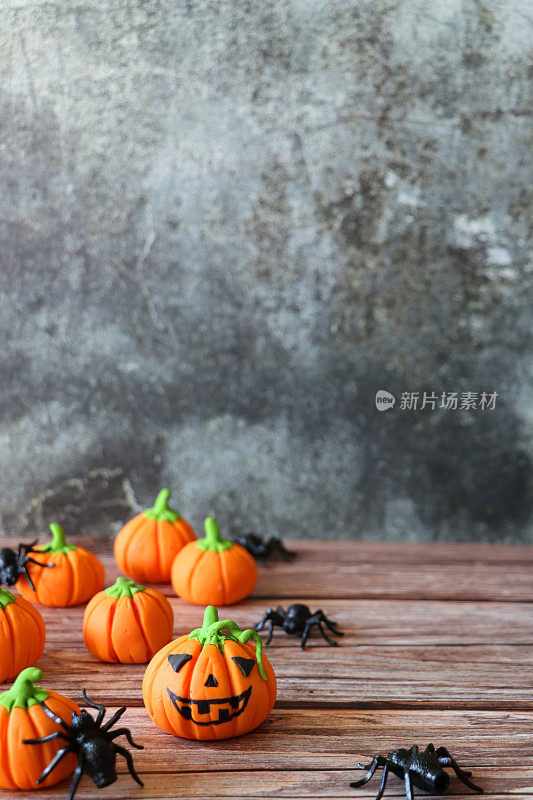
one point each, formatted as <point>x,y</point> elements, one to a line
<point>224,225</point>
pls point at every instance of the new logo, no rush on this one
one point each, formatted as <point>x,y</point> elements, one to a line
<point>384,400</point>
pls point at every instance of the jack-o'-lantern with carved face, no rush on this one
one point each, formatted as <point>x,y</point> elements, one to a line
<point>210,684</point>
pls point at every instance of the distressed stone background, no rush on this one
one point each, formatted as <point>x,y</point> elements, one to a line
<point>224,225</point>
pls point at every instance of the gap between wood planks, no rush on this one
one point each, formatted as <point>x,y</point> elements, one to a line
<point>364,622</point>
<point>328,782</point>
<point>338,740</point>
<point>372,570</point>
<point>482,591</point>
<point>293,783</point>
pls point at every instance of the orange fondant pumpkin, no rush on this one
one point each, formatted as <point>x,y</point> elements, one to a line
<point>75,577</point>
<point>127,623</point>
<point>22,635</point>
<point>211,684</point>
<point>147,545</point>
<point>22,717</point>
<point>213,571</point>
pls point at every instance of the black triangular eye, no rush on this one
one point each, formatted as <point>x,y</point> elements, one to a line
<point>245,665</point>
<point>211,681</point>
<point>177,661</point>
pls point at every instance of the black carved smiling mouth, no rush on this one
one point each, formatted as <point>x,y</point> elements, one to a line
<point>185,706</point>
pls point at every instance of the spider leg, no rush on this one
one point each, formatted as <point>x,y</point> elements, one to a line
<point>127,734</point>
<point>266,616</point>
<point>277,546</point>
<point>378,761</point>
<point>430,748</point>
<point>39,563</point>
<point>332,642</point>
<point>49,738</point>
<point>384,776</point>
<point>448,761</point>
<point>444,753</point>
<point>56,719</point>
<point>76,778</point>
<point>129,760</point>
<point>27,576</point>
<point>111,721</point>
<point>305,634</point>
<point>271,616</point>
<point>288,555</point>
<point>270,632</point>
<point>101,709</point>
<point>408,787</point>
<point>28,548</point>
<point>329,622</point>
<point>315,620</point>
<point>59,756</point>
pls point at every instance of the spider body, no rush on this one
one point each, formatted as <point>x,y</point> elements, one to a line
<point>298,621</point>
<point>262,549</point>
<point>425,770</point>
<point>93,745</point>
<point>94,750</point>
<point>13,563</point>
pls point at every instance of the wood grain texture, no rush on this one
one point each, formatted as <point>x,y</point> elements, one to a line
<point>338,739</point>
<point>455,668</point>
<point>379,622</point>
<point>383,570</point>
<point>356,677</point>
<point>289,784</point>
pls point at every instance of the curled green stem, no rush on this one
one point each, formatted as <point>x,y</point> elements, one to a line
<point>215,631</point>
<point>23,693</point>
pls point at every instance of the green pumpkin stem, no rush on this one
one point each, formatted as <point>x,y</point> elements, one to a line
<point>210,617</point>
<point>161,511</point>
<point>23,694</point>
<point>212,632</point>
<point>59,541</point>
<point>6,598</point>
<point>213,540</point>
<point>124,587</point>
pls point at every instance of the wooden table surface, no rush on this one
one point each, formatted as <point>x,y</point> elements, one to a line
<point>438,648</point>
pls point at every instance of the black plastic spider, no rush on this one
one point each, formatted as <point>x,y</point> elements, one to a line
<point>13,564</point>
<point>298,619</point>
<point>423,770</point>
<point>262,549</point>
<point>93,744</point>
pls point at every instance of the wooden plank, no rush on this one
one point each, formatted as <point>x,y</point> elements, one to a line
<point>286,784</point>
<point>454,669</point>
<point>353,677</point>
<point>385,570</point>
<point>381,622</point>
<point>338,738</point>
<point>355,674</point>
<point>413,577</point>
<point>359,551</point>
<point>307,753</point>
